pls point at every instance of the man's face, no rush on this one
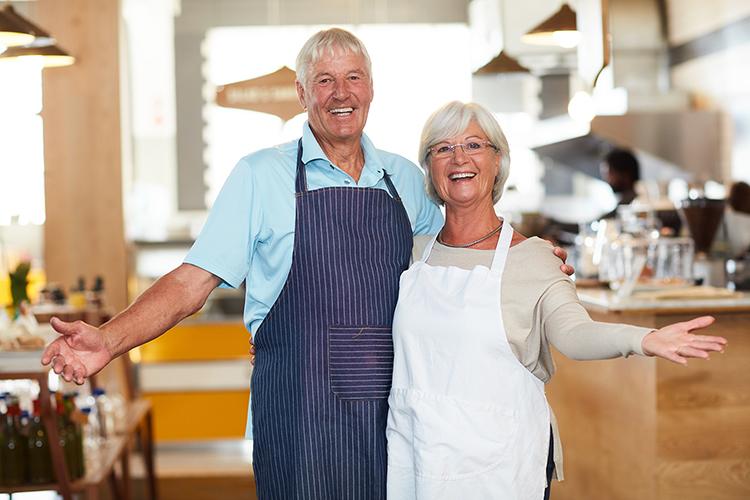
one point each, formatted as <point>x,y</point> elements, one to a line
<point>337,97</point>
<point>612,177</point>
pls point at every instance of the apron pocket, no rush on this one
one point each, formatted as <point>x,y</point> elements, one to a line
<point>360,361</point>
<point>447,439</point>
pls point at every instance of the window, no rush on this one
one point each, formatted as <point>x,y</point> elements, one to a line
<point>21,142</point>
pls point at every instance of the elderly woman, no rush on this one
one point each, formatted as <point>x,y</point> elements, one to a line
<point>476,315</point>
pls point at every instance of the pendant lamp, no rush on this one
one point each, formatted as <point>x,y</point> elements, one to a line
<point>502,63</point>
<point>12,33</point>
<point>41,45</point>
<point>560,30</point>
<point>51,55</point>
<point>41,37</point>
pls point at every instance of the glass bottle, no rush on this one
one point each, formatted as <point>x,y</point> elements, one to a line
<point>90,431</point>
<point>67,441</point>
<point>75,430</point>
<point>41,470</point>
<point>105,413</point>
<point>13,446</point>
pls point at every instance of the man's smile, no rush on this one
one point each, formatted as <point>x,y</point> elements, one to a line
<point>341,111</point>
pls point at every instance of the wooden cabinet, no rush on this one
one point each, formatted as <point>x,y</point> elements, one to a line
<point>649,429</point>
<point>197,376</point>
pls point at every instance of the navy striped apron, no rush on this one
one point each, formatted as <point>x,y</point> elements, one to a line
<point>324,353</point>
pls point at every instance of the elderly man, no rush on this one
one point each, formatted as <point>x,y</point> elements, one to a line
<point>319,230</point>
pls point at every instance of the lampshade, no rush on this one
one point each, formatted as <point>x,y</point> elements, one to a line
<point>12,33</point>
<point>41,37</point>
<point>502,63</point>
<point>560,29</point>
<point>52,55</point>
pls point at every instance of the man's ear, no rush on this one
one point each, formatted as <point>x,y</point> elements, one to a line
<point>301,94</point>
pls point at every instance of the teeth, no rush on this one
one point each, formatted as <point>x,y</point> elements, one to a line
<point>462,175</point>
<point>341,111</point>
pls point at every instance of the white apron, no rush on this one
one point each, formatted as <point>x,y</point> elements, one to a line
<point>466,419</point>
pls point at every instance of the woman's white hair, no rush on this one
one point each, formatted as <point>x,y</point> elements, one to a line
<point>329,41</point>
<point>451,120</point>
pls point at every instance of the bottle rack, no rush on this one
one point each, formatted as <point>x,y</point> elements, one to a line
<point>101,466</point>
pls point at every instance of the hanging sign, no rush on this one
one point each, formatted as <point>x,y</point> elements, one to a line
<point>275,93</point>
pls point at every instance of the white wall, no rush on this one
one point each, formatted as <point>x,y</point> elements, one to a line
<point>717,81</point>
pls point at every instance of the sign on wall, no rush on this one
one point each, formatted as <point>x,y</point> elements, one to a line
<point>275,93</point>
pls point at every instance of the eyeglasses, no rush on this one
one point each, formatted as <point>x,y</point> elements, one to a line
<point>470,148</point>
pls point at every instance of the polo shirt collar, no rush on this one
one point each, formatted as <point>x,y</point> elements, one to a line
<point>311,151</point>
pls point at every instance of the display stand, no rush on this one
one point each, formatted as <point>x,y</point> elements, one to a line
<point>101,466</point>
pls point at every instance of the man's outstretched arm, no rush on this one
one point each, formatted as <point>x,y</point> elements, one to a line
<point>83,350</point>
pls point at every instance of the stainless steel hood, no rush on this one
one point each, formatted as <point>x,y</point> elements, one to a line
<point>689,141</point>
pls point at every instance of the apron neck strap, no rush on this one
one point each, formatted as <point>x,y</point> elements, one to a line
<point>300,184</point>
<point>503,244</point>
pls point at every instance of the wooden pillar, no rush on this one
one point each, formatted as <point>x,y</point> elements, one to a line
<point>84,230</point>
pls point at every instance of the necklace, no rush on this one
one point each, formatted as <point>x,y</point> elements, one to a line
<point>440,238</point>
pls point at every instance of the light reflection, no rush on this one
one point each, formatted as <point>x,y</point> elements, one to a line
<point>582,107</point>
<point>567,39</point>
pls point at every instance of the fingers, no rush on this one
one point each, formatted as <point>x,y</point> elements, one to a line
<point>720,341</point>
<point>68,371</point>
<point>561,253</point>
<point>692,352</point>
<point>61,326</point>
<point>563,256</point>
<point>674,357</point>
<point>709,343</point>
<point>50,352</point>
<point>698,323</point>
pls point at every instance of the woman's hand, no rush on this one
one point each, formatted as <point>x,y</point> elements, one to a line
<point>676,343</point>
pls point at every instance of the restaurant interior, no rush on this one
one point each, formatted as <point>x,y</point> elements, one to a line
<point>120,120</point>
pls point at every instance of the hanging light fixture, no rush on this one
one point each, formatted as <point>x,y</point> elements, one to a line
<point>42,45</point>
<point>560,29</point>
<point>41,37</point>
<point>52,56</point>
<point>502,63</point>
<point>12,33</point>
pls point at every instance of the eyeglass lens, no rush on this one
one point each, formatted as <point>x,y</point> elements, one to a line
<point>468,148</point>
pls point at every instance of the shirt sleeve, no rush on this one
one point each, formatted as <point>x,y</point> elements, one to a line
<point>231,232</point>
<point>569,328</point>
<point>429,218</point>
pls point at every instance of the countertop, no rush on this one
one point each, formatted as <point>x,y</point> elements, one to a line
<point>691,299</point>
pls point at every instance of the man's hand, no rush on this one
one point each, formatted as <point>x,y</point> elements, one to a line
<point>563,255</point>
<point>676,343</point>
<point>80,351</point>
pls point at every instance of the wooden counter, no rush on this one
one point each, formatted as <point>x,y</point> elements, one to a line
<point>197,376</point>
<point>647,429</point>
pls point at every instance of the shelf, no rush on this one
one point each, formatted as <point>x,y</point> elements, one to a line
<point>101,466</point>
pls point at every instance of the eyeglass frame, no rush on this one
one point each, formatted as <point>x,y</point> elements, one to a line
<point>452,148</point>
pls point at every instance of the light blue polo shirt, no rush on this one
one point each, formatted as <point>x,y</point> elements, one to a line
<point>249,234</point>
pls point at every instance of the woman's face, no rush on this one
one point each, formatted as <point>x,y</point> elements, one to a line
<point>465,179</point>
